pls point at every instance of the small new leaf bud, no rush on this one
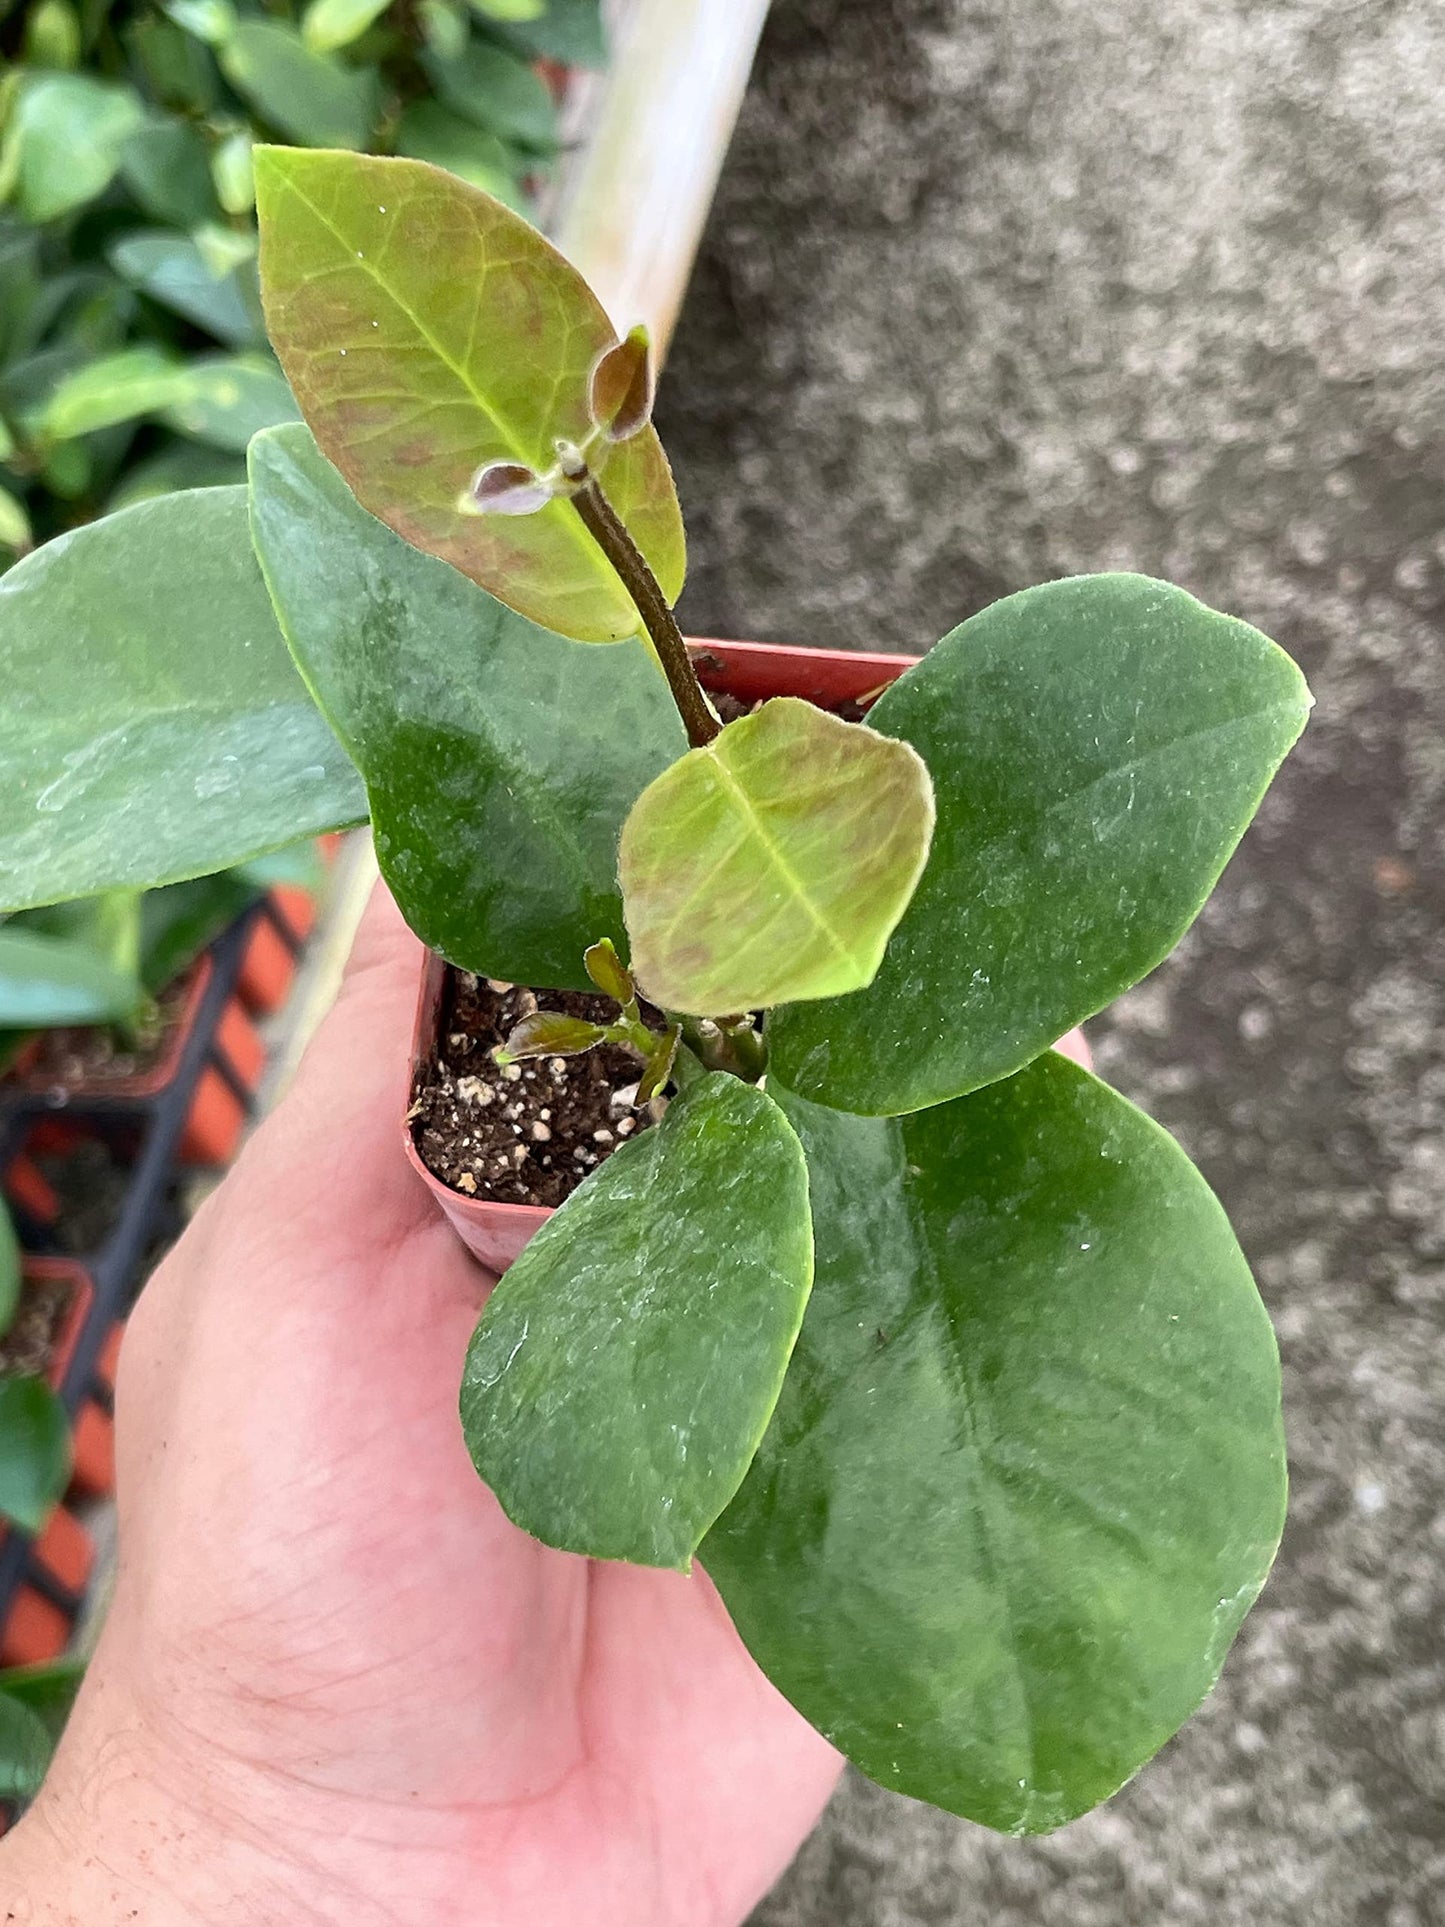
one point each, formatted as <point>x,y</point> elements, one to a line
<point>609,973</point>
<point>506,488</point>
<point>548,1033</point>
<point>619,396</point>
<point>659,1065</point>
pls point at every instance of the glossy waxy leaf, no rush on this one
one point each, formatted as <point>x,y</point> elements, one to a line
<point>34,1451</point>
<point>509,10</point>
<point>165,759</point>
<point>25,1749</point>
<point>501,760</point>
<point>48,980</point>
<point>773,863</point>
<point>626,1365</point>
<point>35,1702</point>
<point>227,399</point>
<point>328,24</point>
<point>308,95</point>
<point>166,165</point>
<point>15,530</point>
<point>1097,746</point>
<point>64,140</point>
<point>116,388</point>
<point>46,1691</point>
<point>495,90</point>
<point>427,330</point>
<point>181,465</point>
<point>567,30</point>
<point>174,271</point>
<point>1027,1472</point>
<point>427,131</point>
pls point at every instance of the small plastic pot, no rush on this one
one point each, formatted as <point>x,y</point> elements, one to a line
<point>749,671</point>
<point>146,1083</point>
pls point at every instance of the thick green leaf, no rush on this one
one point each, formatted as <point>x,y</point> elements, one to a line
<point>229,398</point>
<point>231,173</point>
<point>46,1691</point>
<point>166,165</point>
<point>329,24</point>
<point>496,90</point>
<point>1027,1473</point>
<point>173,270</point>
<point>47,980</point>
<point>9,1270</point>
<point>1097,746</point>
<point>25,1749</point>
<point>428,131</point>
<point>774,862</point>
<point>310,96</point>
<point>178,921</point>
<point>117,388</point>
<point>180,70</point>
<point>626,1365</point>
<point>567,30</point>
<point>67,134</point>
<point>426,330</point>
<point>52,35</point>
<point>15,531</point>
<point>501,761</point>
<point>189,743</point>
<point>34,1451</point>
<point>179,465</point>
<point>509,10</point>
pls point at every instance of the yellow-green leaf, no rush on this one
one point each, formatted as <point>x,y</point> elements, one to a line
<point>772,864</point>
<point>427,330</point>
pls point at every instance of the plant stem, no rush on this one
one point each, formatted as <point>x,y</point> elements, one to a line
<point>607,530</point>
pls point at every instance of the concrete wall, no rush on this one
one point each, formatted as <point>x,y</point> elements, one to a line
<point>995,292</point>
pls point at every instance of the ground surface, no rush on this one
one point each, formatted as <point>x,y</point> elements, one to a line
<point>995,292</point>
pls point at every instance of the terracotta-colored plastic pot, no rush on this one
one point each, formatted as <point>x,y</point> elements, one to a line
<point>750,671</point>
<point>149,1082</point>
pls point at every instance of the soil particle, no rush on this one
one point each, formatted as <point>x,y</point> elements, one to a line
<point>531,1133</point>
<point>29,1345</point>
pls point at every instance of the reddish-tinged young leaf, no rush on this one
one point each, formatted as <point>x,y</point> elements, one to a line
<point>549,1033</point>
<point>428,331</point>
<point>620,392</point>
<point>509,488</point>
<point>773,863</point>
<point>659,1064</point>
<point>609,973</point>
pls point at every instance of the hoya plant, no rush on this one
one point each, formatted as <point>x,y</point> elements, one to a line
<point>105,960</point>
<point>133,359</point>
<point>34,1472</point>
<point>938,1356</point>
<point>34,1431</point>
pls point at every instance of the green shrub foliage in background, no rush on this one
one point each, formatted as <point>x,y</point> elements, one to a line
<point>133,360</point>
<point>938,1354</point>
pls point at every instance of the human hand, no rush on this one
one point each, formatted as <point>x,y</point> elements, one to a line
<point>335,1684</point>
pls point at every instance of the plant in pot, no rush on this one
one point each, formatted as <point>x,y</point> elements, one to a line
<point>937,1354</point>
<point>34,1469</point>
<point>133,359</point>
<point>115,963</point>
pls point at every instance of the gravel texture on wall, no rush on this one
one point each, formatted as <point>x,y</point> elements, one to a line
<point>998,292</point>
